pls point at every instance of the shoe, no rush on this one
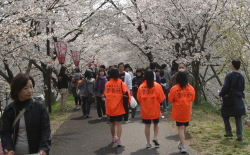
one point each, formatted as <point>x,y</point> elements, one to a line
<point>104,115</point>
<point>133,116</point>
<point>239,138</point>
<point>228,135</point>
<point>99,117</point>
<point>114,139</point>
<point>75,108</point>
<point>78,108</point>
<point>183,149</point>
<point>119,143</point>
<point>148,145</point>
<point>155,140</point>
<point>87,116</point>
<point>179,145</point>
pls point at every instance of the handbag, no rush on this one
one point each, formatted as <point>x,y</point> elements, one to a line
<point>228,99</point>
<point>133,103</point>
<point>125,103</point>
<point>91,97</point>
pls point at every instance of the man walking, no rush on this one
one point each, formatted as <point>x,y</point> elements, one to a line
<point>235,83</point>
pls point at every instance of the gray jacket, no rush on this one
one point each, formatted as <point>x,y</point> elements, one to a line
<point>167,76</point>
<point>86,87</point>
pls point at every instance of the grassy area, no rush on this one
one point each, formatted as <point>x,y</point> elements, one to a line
<point>206,133</point>
<point>57,117</point>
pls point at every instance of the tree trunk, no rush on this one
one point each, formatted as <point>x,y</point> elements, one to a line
<point>196,73</point>
<point>150,56</point>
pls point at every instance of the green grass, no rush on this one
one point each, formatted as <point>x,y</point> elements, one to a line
<point>57,116</point>
<point>206,133</point>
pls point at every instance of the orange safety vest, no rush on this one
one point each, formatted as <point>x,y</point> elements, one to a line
<point>114,90</point>
<point>150,100</point>
<point>182,102</point>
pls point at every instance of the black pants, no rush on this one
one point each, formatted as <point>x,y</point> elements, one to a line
<point>85,106</point>
<point>77,100</point>
<point>101,110</point>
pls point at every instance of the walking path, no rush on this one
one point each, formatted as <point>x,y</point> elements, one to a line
<point>91,136</point>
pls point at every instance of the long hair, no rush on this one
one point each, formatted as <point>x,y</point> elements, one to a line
<point>101,70</point>
<point>182,79</point>
<point>149,77</point>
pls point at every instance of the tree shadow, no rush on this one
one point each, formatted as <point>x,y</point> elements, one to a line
<point>176,153</point>
<point>151,151</point>
<point>111,148</point>
<point>78,118</point>
<point>97,121</point>
<point>173,137</point>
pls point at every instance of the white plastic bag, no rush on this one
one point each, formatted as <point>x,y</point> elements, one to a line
<point>133,103</point>
<point>58,97</point>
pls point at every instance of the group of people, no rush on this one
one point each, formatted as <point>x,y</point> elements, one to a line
<point>26,125</point>
<point>149,87</point>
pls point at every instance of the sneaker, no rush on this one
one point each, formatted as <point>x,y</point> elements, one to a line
<point>114,139</point>
<point>148,145</point>
<point>183,149</point>
<point>78,108</point>
<point>104,115</point>
<point>119,143</point>
<point>99,117</point>
<point>239,138</point>
<point>179,145</point>
<point>155,140</point>
<point>228,135</point>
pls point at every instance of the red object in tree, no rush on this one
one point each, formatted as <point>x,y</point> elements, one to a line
<point>76,57</point>
<point>61,49</point>
<point>96,62</point>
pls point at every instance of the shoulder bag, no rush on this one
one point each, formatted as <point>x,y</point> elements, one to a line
<point>125,103</point>
<point>91,97</point>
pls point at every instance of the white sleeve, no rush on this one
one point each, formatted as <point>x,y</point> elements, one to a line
<point>128,81</point>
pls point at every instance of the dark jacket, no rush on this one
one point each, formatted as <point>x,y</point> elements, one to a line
<point>37,126</point>
<point>63,80</point>
<point>238,108</point>
<point>136,80</point>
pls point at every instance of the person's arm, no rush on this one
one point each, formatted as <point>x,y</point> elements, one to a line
<point>129,81</point>
<point>6,132</point>
<point>225,86</point>
<point>171,96</point>
<point>160,94</point>
<point>171,82</point>
<point>45,143</point>
<point>138,95</point>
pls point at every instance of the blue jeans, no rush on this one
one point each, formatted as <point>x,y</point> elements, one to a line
<point>238,122</point>
<point>165,102</point>
<point>133,111</point>
<point>85,106</point>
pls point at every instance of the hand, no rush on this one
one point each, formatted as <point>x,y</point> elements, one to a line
<point>41,152</point>
<point>9,152</point>
<point>220,98</point>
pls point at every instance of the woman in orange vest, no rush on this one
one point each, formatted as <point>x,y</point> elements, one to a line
<point>181,95</point>
<point>150,95</point>
<point>114,90</point>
